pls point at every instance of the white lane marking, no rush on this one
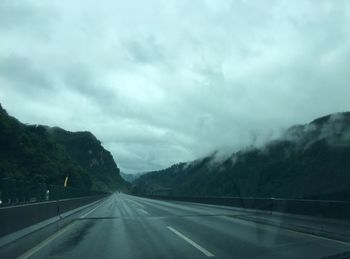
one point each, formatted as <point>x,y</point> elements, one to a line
<point>38,247</point>
<point>127,209</point>
<point>274,229</point>
<point>203,250</point>
<point>136,204</point>
<point>144,211</point>
<point>92,210</point>
<point>318,237</point>
<point>44,243</point>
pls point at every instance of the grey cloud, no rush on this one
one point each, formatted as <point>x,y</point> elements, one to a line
<point>173,81</point>
<point>23,73</point>
<point>85,81</point>
<point>13,14</point>
<point>145,51</point>
<point>28,18</point>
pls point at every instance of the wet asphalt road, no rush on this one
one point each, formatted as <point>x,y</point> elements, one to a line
<point>125,226</point>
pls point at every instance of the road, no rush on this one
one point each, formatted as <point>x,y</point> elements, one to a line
<point>125,226</point>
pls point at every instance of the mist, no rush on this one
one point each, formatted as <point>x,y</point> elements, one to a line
<point>166,82</point>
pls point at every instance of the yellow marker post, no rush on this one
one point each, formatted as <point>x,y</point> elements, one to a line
<point>65,182</point>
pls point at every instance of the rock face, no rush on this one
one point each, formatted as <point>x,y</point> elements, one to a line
<point>42,154</point>
<point>309,161</point>
<point>88,152</point>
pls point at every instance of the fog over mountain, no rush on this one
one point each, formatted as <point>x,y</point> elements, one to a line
<point>159,82</point>
<point>309,161</point>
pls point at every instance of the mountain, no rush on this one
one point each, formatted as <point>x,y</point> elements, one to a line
<point>131,177</point>
<point>37,153</point>
<point>308,161</point>
<point>85,149</point>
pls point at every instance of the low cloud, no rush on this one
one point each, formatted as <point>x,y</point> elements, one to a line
<point>164,82</point>
<point>22,73</point>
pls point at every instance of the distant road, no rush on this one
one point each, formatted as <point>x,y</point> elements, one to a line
<point>124,226</point>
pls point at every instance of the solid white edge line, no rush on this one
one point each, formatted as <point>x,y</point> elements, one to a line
<point>38,247</point>
<point>144,211</point>
<point>203,250</point>
<point>272,228</point>
<point>44,243</point>
<point>318,237</point>
<point>92,210</point>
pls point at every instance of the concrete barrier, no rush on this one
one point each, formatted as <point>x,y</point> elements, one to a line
<point>70,204</point>
<point>317,208</point>
<point>15,218</point>
<point>18,217</point>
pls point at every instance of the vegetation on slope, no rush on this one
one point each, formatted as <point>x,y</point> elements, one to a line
<point>41,154</point>
<point>309,161</point>
<point>87,151</point>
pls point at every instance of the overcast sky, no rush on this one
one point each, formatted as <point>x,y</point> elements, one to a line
<point>159,82</point>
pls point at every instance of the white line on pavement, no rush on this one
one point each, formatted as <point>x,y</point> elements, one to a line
<point>44,243</point>
<point>144,211</point>
<point>203,250</point>
<point>92,210</point>
<point>272,228</point>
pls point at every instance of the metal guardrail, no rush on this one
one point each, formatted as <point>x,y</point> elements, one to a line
<point>14,192</point>
<point>317,208</point>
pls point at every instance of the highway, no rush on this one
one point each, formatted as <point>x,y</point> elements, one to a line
<point>124,226</point>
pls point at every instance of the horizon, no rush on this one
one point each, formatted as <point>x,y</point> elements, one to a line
<point>159,88</point>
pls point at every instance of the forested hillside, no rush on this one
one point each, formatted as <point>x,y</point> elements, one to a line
<point>85,149</point>
<point>308,161</point>
<point>41,154</point>
<point>131,177</point>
